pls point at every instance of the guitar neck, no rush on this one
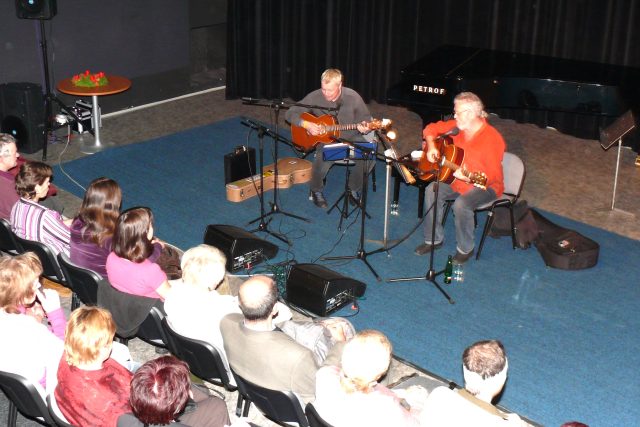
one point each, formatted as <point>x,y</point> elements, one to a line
<point>334,128</point>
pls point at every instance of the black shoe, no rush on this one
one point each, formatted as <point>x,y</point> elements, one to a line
<point>461,258</point>
<point>425,248</point>
<point>318,199</point>
<point>354,198</point>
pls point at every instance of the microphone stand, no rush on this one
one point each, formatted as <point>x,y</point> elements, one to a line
<point>263,225</point>
<point>360,254</point>
<point>431,273</point>
<point>275,209</point>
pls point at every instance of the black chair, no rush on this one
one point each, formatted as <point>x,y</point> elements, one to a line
<point>55,412</point>
<point>50,267</point>
<point>8,243</point>
<point>151,329</point>
<point>315,420</point>
<point>83,281</point>
<point>24,397</point>
<point>282,407</point>
<point>513,171</point>
<point>204,360</point>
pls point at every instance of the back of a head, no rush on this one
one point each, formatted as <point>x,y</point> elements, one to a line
<point>130,239</point>
<point>30,175</point>
<point>160,390</point>
<point>482,362</point>
<point>203,266</point>
<point>100,209</point>
<point>365,359</point>
<point>17,277</point>
<point>88,336</point>
<point>257,297</point>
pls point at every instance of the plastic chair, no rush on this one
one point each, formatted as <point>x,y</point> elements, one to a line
<point>151,330</point>
<point>55,412</point>
<point>514,173</point>
<point>50,267</point>
<point>25,397</point>
<point>8,243</point>
<point>204,360</point>
<point>83,281</point>
<point>315,420</point>
<point>282,407</point>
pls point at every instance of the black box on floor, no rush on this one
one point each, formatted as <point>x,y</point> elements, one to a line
<point>241,163</point>
<point>320,290</point>
<point>242,248</point>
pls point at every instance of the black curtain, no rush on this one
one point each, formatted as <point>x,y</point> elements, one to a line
<point>279,48</point>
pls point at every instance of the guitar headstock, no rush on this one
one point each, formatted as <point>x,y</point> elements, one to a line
<point>479,179</point>
<point>379,124</point>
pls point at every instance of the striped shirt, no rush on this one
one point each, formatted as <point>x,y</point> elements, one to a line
<point>32,221</point>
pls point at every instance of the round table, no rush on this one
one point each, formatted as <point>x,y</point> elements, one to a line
<point>116,84</point>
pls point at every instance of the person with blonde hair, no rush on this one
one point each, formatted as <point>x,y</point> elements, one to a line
<point>347,107</point>
<point>93,389</point>
<point>352,395</point>
<point>29,348</point>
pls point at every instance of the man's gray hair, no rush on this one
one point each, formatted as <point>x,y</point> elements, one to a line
<point>5,140</point>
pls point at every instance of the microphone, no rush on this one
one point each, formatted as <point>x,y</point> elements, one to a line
<point>250,100</point>
<point>453,132</point>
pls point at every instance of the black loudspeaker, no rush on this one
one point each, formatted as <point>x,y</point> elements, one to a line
<point>241,248</point>
<point>320,290</point>
<point>36,9</point>
<point>22,114</point>
<point>239,164</point>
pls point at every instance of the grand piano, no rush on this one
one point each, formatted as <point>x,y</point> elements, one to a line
<point>576,97</point>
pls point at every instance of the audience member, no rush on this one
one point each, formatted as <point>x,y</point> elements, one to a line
<point>93,389</point>
<point>352,395</point>
<point>32,221</point>
<point>92,230</point>
<point>263,354</point>
<point>129,267</point>
<point>8,159</point>
<point>194,307</point>
<point>484,366</point>
<point>28,347</point>
<point>160,390</point>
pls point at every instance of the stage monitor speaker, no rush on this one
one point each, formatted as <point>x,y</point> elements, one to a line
<point>22,114</point>
<point>36,9</point>
<point>241,248</point>
<point>319,290</point>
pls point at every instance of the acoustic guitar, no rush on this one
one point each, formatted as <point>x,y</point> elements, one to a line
<point>451,158</point>
<point>291,171</point>
<point>331,129</point>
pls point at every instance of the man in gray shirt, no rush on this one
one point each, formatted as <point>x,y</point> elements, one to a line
<point>348,108</point>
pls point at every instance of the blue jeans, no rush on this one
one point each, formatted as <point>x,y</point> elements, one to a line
<point>463,208</point>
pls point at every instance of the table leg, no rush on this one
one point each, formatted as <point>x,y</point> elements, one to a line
<point>97,145</point>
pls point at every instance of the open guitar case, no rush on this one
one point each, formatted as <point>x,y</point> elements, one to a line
<point>564,248</point>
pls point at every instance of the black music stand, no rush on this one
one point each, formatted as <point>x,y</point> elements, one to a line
<point>431,273</point>
<point>275,135</point>
<point>609,136</point>
<point>360,254</point>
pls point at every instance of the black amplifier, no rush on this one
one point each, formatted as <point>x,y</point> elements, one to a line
<point>241,163</point>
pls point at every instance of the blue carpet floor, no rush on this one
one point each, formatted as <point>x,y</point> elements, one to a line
<point>572,337</point>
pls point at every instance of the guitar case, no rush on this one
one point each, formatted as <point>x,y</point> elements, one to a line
<point>564,248</point>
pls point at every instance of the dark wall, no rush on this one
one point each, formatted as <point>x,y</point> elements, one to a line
<point>129,38</point>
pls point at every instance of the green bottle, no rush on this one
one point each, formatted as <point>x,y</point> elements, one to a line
<point>448,270</point>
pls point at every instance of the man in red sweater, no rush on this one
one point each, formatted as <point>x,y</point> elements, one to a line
<point>483,150</point>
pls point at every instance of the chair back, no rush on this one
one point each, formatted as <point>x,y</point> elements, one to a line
<point>315,420</point>
<point>151,328</point>
<point>24,397</point>
<point>513,171</point>
<point>204,360</point>
<point>279,406</point>
<point>55,412</point>
<point>83,281</point>
<point>50,267</point>
<point>8,243</point>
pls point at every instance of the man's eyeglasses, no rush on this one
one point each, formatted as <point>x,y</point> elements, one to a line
<point>457,113</point>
